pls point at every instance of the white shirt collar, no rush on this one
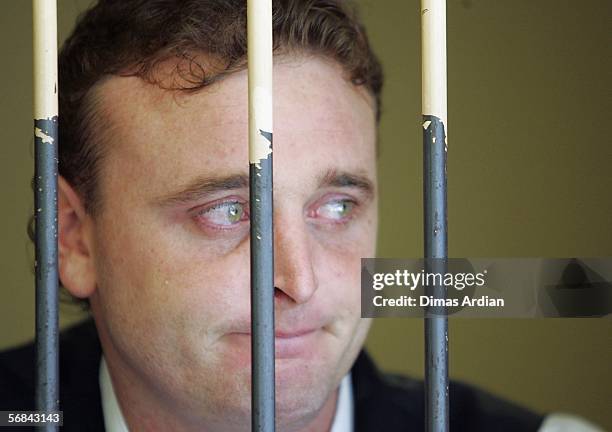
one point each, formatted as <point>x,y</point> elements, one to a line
<point>114,421</point>
<point>343,419</point>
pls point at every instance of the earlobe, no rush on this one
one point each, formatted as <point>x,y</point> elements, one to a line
<point>76,266</point>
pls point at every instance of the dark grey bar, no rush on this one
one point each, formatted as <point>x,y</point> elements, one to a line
<point>436,324</point>
<point>47,321</point>
<point>262,294</point>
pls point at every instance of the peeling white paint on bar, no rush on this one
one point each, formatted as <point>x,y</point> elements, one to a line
<point>45,58</point>
<point>433,48</point>
<point>38,133</point>
<point>260,79</point>
<point>259,146</point>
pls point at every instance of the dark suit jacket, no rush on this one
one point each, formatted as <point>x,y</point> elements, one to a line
<point>382,402</point>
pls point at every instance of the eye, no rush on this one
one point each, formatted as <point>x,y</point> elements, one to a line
<point>337,210</point>
<point>223,215</point>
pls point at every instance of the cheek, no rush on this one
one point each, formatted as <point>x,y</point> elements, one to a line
<point>167,277</point>
<point>212,288</point>
<point>338,265</point>
<point>340,253</point>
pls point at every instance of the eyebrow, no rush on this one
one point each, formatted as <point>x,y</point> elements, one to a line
<point>334,178</point>
<point>202,186</point>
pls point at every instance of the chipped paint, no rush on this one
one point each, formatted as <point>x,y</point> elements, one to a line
<point>45,59</point>
<point>38,133</point>
<point>434,130</point>
<point>260,145</point>
<point>433,49</point>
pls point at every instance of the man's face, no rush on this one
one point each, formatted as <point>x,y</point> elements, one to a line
<point>172,240</point>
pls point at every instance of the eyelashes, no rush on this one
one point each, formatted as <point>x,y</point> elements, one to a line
<point>223,215</point>
<point>336,211</point>
<point>233,214</point>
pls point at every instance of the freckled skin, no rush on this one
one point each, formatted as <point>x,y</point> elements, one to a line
<point>171,292</point>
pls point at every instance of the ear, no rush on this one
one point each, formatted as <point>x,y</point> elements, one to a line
<point>76,266</point>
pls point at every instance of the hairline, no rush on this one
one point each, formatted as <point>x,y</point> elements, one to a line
<point>100,139</point>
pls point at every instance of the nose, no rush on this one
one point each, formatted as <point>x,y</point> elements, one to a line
<point>294,276</point>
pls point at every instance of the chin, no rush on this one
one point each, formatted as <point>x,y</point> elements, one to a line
<point>301,392</point>
<point>296,409</point>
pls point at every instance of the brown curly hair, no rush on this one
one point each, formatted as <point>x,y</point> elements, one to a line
<point>133,37</point>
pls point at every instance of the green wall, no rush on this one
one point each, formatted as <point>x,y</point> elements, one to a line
<point>529,158</point>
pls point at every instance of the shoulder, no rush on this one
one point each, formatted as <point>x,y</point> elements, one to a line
<point>396,403</point>
<point>80,355</point>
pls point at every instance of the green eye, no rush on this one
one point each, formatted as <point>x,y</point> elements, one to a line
<point>234,212</point>
<point>225,214</point>
<point>338,209</point>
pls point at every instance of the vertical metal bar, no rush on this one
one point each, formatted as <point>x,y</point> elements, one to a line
<point>259,19</point>
<point>433,39</point>
<point>45,174</point>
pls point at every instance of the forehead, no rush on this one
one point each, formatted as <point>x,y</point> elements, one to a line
<point>318,117</point>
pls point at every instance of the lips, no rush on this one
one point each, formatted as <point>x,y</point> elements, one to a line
<point>298,343</point>
<point>292,334</point>
<point>301,343</point>
<point>282,334</point>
